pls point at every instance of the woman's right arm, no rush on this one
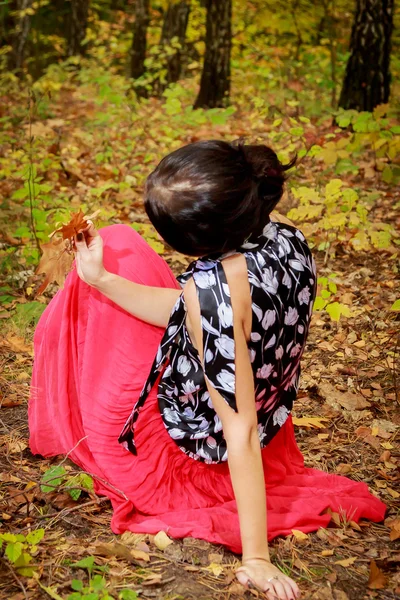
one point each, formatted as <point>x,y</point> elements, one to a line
<point>150,304</point>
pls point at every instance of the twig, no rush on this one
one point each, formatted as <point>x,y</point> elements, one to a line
<point>18,581</point>
<point>67,511</point>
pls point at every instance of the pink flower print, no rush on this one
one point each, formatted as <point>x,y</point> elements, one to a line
<point>304,295</point>
<point>265,371</point>
<point>291,316</point>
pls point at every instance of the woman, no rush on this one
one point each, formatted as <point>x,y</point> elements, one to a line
<point>204,450</point>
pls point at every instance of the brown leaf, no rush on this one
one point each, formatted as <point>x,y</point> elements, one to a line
<point>377,580</point>
<point>55,262</point>
<point>121,551</point>
<point>347,562</point>
<point>75,225</point>
<point>17,344</point>
<point>347,400</point>
<point>394,524</point>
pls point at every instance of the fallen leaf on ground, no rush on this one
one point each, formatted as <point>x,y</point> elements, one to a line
<point>215,568</point>
<point>377,579</point>
<point>18,344</point>
<point>299,535</point>
<point>161,540</point>
<point>394,524</point>
<point>15,446</point>
<point>121,551</point>
<point>315,422</point>
<point>347,400</point>
<point>346,562</point>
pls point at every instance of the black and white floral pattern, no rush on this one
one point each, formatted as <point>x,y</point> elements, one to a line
<point>282,279</point>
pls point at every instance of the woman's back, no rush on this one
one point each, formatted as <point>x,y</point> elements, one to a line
<point>282,280</point>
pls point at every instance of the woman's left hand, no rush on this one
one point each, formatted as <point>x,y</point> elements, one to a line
<point>264,576</point>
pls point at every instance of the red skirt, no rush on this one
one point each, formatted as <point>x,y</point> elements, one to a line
<point>91,360</point>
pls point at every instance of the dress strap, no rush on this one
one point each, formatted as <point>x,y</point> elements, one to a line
<point>217,326</point>
<point>178,315</point>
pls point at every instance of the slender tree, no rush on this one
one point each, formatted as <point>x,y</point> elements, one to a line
<point>216,76</point>
<point>174,30</point>
<point>21,26</point>
<point>138,54</point>
<point>367,79</point>
<point>77,24</point>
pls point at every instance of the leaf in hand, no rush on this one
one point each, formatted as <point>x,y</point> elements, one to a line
<point>55,262</point>
<point>77,222</point>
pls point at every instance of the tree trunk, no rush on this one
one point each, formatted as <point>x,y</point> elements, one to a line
<point>367,79</point>
<point>22,26</point>
<point>77,23</point>
<point>138,55</point>
<point>216,76</point>
<point>174,26</point>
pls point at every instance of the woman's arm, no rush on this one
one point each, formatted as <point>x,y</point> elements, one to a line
<point>240,431</point>
<point>150,304</point>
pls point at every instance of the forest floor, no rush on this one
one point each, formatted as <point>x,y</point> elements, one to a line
<point>350,382</point>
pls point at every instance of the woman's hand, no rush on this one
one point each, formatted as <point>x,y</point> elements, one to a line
<point>89,255</point>
<point>262,574</point>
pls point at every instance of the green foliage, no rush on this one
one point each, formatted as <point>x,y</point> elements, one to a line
<point>340,215</point>
<point>19,550</point>
<point>327,290</point>
<point>97,587</point>
<point>58,477</point>
<point>375,132</point>
<point>396,306</point>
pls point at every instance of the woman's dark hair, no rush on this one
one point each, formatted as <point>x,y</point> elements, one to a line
<point>211,196</point>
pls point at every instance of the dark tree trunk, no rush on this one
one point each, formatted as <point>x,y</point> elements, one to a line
<point>138,55</point>
<point>21,28</point>
<point>77,24</point>
<point>174,26</point>
<point>216,76</point>
<point>367,79</point>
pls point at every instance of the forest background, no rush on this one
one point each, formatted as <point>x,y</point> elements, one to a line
<point>92,96</point>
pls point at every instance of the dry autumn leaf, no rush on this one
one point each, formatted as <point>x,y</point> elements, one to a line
<point>161,540</point>
<point>299,535</point>
<point>55,262</point>
<point>347,400</point>
<point>315,422</point>
<point>394,524</point>
<point>377,580</point>
<point>347,562</point>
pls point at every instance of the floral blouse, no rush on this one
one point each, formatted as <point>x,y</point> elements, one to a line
<point>282,280</point>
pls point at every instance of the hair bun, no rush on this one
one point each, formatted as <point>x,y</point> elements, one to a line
<point>264,163</point>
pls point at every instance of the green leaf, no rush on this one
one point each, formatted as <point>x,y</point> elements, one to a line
<point>54,476</point>
<point>8,537</point>
<point>387,174</point>
<point>319,303</point>
<point>14,551</point>
<point>86,481</point>
<point>128,595</point>
<point>74,493</point>
<point>75,596</point>
<point>34,537</point>
<point>336,310</point>
<point>395,129</point>
<point>77,585</point>
<point>84,563</point>
<point>396,305</point>
<point>50,591</point>
<point>23,232</point>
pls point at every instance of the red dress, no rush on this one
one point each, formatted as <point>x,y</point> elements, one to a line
<point>91,361</point>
